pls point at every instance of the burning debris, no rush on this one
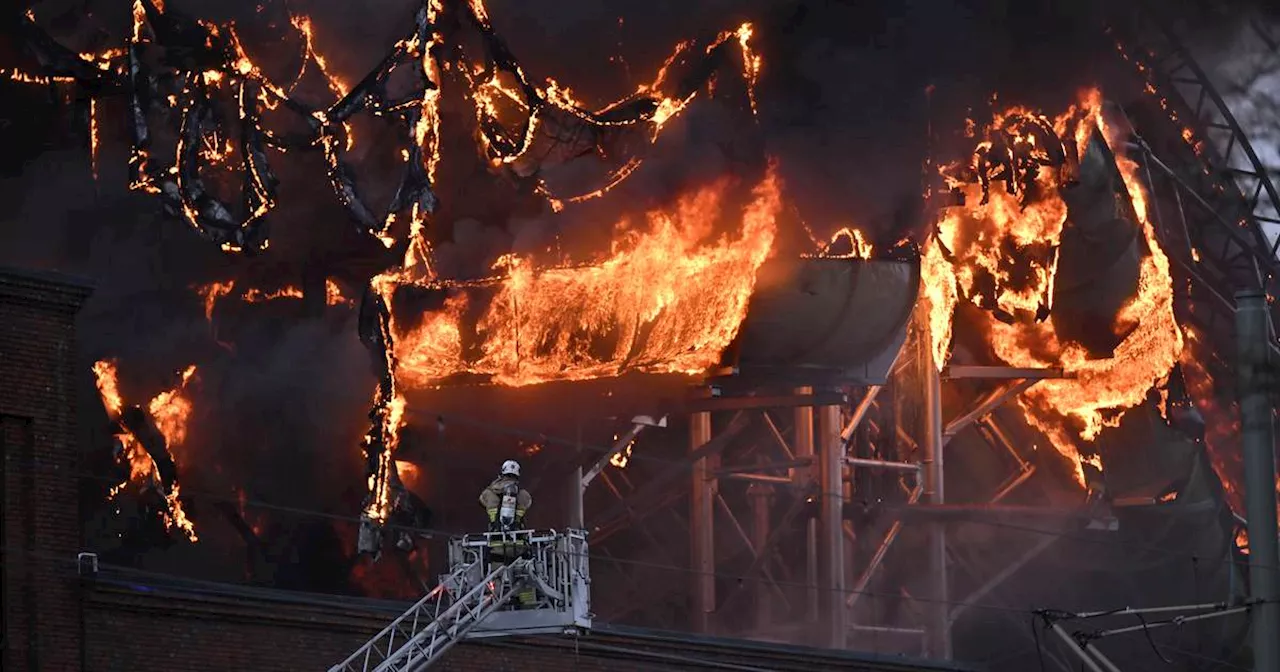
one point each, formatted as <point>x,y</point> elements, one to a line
<point>671,296</point>
<point>212,292</point>
<point>1019,143</point>
<point>669,299</point>
<point>177,67</point>
<point>198,74</point>
<point>848,243</point>
<point>999,252</point>
<point>145,439</point>
<point>666,300</point>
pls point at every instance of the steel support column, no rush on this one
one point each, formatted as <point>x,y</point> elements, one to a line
<point>938,623</point>
<point>1253,330</point>
<point>803,447</point>
<point>831,583</point>
<point>577,517</point>
<point>702,501</point>
<point>761,497</point>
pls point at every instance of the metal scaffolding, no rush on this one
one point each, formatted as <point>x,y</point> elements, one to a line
<point>803,561</point>
<point>802,491</point>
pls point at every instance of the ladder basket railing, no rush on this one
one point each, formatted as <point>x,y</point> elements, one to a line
<point>549,570</point>
<point>429,628</point>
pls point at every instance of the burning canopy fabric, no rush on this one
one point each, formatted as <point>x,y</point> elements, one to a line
<point>177,67</point>
<point>668,298</point>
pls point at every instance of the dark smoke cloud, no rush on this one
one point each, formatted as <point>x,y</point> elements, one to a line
<point>842,103</point>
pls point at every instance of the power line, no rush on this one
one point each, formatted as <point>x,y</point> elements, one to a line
<point>311,513</point>
<point>643,457</point>
<point>640,563</point>
<point>197,495</point>
<point>1084,641</point>
<point>188,584</point>
<point>12,551</point>
<point>1204,658</point>
<point>674,568</point>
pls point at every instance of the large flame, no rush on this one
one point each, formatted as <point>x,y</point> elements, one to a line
<point>1004,258</point>
<point>669,299</point>
<point>170,410</point>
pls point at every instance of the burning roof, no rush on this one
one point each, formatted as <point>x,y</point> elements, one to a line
<point>999,251</point>
<point>192,70</point>
<point>198,69</point>
<point>673,290</point>
<point>668,299</point>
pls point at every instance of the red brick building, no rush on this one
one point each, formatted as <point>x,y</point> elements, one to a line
<point>41,527</point>
<point>54,618</point>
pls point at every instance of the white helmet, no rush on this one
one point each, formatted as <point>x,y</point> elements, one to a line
<point>511,468</point>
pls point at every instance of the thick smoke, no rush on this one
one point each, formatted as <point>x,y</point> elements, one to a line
<point>843,106</point>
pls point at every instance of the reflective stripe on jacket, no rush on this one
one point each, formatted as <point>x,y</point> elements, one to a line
<point>491,497</point>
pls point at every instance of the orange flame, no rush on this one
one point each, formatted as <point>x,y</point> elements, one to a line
<point>379,507</point>
<point>212,292</point>
<point>170,410</point>
<point>410,474</point>
<point>1100,390</point>
<point>859,246</point>
<point>104,372</point>
<point>255,295</point>
<point>23,77</point>
<point>672,300</point>
<point>1222,422</point>
<point>938,291</point>
<point>333,294</point>
<point>623,457</point>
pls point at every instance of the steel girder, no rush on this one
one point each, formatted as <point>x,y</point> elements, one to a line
<point>1213,199</point>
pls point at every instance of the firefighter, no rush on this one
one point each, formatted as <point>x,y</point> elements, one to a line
<point>506,503</point>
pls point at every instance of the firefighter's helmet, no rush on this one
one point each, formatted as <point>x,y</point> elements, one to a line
<point>511,468</point>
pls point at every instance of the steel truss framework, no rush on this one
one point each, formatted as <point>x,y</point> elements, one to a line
<point>1211,196</point>
<point>1212,201</point>
<point>804,489</point>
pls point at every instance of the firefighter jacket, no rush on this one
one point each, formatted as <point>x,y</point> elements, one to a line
<point>491,498</point>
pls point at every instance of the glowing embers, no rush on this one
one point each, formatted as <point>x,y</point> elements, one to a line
<point>669,298</point>
<point>1003,242</point>
<point>146,439</point>
<point>845,243</point>
<point>218,102</point>
<point>212,292</point>
<point>1001,255</point>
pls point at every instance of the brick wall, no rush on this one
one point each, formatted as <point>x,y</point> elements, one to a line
<point>41,526</point>
<point>136,625</point>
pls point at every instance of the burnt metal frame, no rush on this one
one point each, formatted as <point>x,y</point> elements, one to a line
<point>1223,206</point>
<point>932,486</point>
<point>803,461</point>
<point>1224,247</point>
<point>703,460</point>
<point>1223,194</point>
<point>666,488</point>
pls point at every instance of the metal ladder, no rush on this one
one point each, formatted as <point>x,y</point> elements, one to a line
<point>423,634</point>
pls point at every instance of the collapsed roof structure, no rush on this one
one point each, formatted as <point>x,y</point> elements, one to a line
<point>1053,334</point>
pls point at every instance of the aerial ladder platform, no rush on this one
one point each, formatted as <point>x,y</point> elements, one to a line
<point>524,582</point>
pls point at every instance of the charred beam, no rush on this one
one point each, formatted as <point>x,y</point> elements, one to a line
<point>955,372</point>
<point>749,403</point>
<point>657,487</point>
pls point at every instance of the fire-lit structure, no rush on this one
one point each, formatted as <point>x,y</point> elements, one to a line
<point>864,441</point>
